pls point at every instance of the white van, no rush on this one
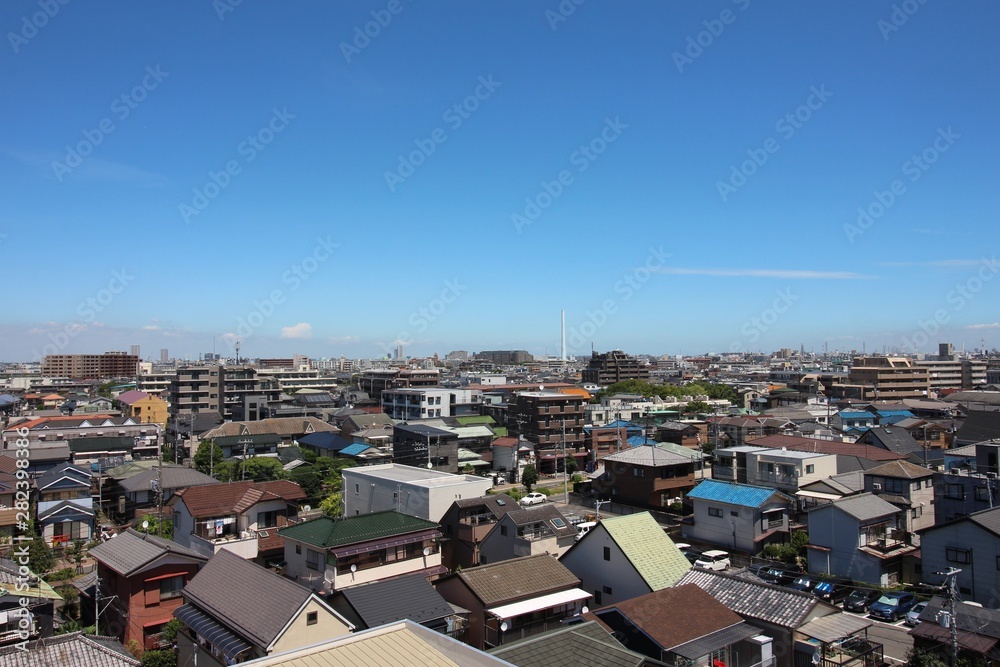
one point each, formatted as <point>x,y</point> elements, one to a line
<point>713,560</point>
<point>584,528</point>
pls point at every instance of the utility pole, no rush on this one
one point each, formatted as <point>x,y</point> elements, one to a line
<point>950,587</point>
<point>97,602</point>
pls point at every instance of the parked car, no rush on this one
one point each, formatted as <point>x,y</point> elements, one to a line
<point>861,599</point>
<point>533,498</point>
<point>683,546</point>
<point>893,605</point>
<point>913,616</point>
<point>713,560</point>
<point>833,591</point>
<point>584,528</point>
<point>692,556</point>
<point>781,574</point>
<point>804,584</point>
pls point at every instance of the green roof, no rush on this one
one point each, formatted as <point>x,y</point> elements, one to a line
<point>654,555</point>
<point>500,431</point>
<point>326,532</point>
<point>471,420</point>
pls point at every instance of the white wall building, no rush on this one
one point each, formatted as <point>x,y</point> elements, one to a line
<point>425,494</point>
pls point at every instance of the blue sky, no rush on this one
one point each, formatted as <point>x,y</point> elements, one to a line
<point>680,177</point>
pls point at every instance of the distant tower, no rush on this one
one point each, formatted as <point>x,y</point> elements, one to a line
<point>134,351</point>
<point>399,350</point>
<point>564,334</point>
<point>164,355</point>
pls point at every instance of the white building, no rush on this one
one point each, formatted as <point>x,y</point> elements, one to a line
<point>429,402</point>
<point>425,494</point>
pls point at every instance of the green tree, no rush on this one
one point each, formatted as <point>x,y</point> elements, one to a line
<point>695,407</point>
<point>333,483</point>
<point>571,465</point>
<point>170,630</point>
<point>208,457</point>
<point>529,477</point>
<point>40,556</point>
<point>76,552</point>
<point>159,658</point>
<point>156,526</point>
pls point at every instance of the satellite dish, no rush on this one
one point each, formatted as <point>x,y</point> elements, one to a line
<point>354,568</point>
<point>585,609</point>
<point>145,525</point>
<point>429,465</point>
<point>816,659</point>
<point>427,551</point>
<point>307,508</point>
<point>504,626</point>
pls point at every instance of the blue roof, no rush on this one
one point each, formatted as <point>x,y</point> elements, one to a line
<point>639,440</point>
<point>889,413</point>
<point>887,419</point>
<point>325,440</point>
<point>856,415</point>
<point>355,449</point>
<point>6,399</point>
<point>732,493</point>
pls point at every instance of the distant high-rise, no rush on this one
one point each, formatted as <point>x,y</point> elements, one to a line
<point>134,351</point>
<point>90,366</point>
<point>615,366</point>
<point>399,350</point>
<point>164,355</point>
<point>505,356</point>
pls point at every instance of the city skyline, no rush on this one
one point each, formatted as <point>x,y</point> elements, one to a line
<point>333,180</point>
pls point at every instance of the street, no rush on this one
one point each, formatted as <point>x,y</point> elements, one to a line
<point>893,637</point>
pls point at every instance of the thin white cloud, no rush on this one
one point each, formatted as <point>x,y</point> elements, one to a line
<point>761,273</point>
<point>300,330</point>
<point>343,340</point>
<point>938,263</point>
<point>989,325</point>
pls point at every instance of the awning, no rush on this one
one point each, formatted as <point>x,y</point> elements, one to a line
<point>818,495</point>
<point>378,546</point>
<point>829,629</point>
<point>716,641</point>
<point>228,643</point>
<point>539,603</point>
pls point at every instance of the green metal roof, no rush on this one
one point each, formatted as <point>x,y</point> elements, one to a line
<point>326,532</point>
<point>469,420</point>
<point>654,555</point>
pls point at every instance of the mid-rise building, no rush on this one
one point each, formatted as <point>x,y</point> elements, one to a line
<point>225,389</point>
<point>505,357</point>
<point>91,366</point>
<point>376,380</point>
<point>548,418</point>
<point>428,402</point>
<point>615,366</point>
<point>889,378</point>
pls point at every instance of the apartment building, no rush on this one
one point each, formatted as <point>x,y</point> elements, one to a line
<point>505,357</point>
<point>428,402</point>
<point>947,371</point>
<point>376,380</point>
<point>224,389</point>
<point>889,378</point>
<point>614,366</point>
<point>90,366</point>
<point>543,417</point>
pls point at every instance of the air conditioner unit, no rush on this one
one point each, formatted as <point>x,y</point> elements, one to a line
<point>876,486</point>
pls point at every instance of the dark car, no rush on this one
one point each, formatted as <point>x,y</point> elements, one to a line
<point>758,569</point>
<point>893,605</point>
<point>860,599</point>
<point>804,584</point>
<point>781,574</point>
<point>833,590</point>
<point>692,555</point>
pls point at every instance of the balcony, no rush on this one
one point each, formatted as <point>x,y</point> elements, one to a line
<point>723,472</point>
<point>853,652</point>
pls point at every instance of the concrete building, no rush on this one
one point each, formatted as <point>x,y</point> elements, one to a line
<point>425,494</point>
<point>543,416</point>
<point>90,366</point>
<point>614,366</point>
<point>428,402</point>
<point>889,378</point>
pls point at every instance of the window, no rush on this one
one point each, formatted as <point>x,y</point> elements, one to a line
<point>638,472</point>
<point>917,512</point>
<point>357,489</point>
<point>982,493</point>
<point>312,618</point>
<point>714,511</point>
<point>313,559</point>
<point>928,483</point>
<point>607,589</point>
<point>733,513</point>
<point>171,588</point>
<point>597,598</point>
<point>954,555</point>
<point>607,553</point>
<point>954,491</point>
<point>267,519</point>
<point>810,469</point>
<point>298,549</point>
<point>503,530</point>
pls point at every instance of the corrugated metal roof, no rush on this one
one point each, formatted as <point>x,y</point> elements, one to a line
<point>732,493</point>
<point>355,449</point>
<point>863,507</point>
<point>326,532</point>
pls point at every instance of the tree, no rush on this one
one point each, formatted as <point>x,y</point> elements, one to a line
<point>571,464</point>
<point>159,658</point>
<point>156,526</point>
<point>529,477</point>
<point>332,505</point>
<point>208,457</point>
<point>76,552</point>
<point>697,406</point>
<point>40,555</point>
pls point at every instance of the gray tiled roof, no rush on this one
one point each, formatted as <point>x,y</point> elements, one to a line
<point>587,643</point>
<point>988,519</point>
<point>863,507</point>
<point>546,512</point>
<point>172,477</point>
<point>248,599</point>
<point>901,469</point>
<point>752,600</point>
<point>391,600</point>
<point>127,552</point>
<point>518,579</point>
<point>73,648</point>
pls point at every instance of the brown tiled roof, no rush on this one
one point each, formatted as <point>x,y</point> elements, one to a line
<point>657,614</point>
<point>8,464</point>
<point>903,469</point>
<point>826,447</point>
<point>518,579</point>
<point>283,426</point>
<point>217,499</point>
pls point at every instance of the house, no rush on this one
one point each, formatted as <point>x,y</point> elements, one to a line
<point>76,646</point>
<point>738,516</point>
<point>707,631</point>
<point>624,557</point>
<point>467,523</point>
<point>571,646</point>
<point>969,543</point>
<point>646,476</point>
<point>144,575</point>
<point>138,491</point>
<point>22,593</point>
<point>854,420</point>
<point>419,445</point>
<point>332,554</point>
<point>264,433</point>
<point>686,434</point>
<point>242,517</point>
<point>526,532</point>
<point>979,425</point>
<point>324,443</point>
<point>513,599</point>
<point>860,537</point>
<point>65,506</point>
<point>898,441</point>
<point>798,622</point>
<point>909,487</point>
<point>235,611</point>
<point>358,422</point>
<point>419,492</point>
<point>977,632</point>
<point>732,464</point>
<point>833,487</point>
<point>400,644</point>
<point>410,597</point>
<point>144,408</point>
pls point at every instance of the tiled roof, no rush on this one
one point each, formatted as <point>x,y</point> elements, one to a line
<point>863,507</point>
<point>654,555</point>
<point>744,495</point>
<point>755,600</point>
<point>518,579</point>
<point>130,397</point>
<point>656,614</point>
<point>258,608</point>
<point>219,499</point>
<point>548,513</point>
<point>172,477</point>
<point>490,503</point>
<point>988,519</point>
<point>893,438</point>
<point>326,532</point>
<point>979,425</point>
<point>587,643</point>
<point>389,600</point>
<point>858,449</point>
<point>283,426</point>
<point>131,550</point>
<point>646,455</point>
<point>72,649</point>
<point>901,469</point>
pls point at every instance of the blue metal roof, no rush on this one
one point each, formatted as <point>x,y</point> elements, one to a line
<point>732,493</point>
<point>325,440</point>
<point>857,415</point>
<point>355,449</point>
<point>639,440</point>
